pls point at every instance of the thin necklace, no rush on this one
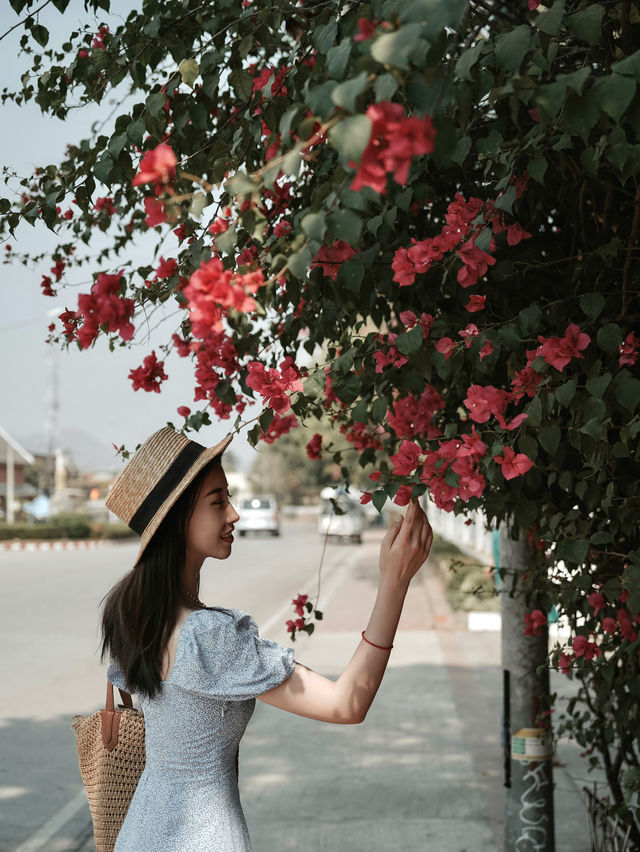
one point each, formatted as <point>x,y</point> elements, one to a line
<point>194,600</point>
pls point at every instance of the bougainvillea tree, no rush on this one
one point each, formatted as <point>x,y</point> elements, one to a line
<point>442,199</point>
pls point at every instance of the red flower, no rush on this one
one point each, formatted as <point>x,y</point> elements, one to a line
<point>475,303</point>
<point>184,411</point>
<point>412,416</point>
<point>468,333</point>
<point>516,233</point>
<point>150,375</point>
<point>609,625</point>
<point>298,604</point>
<point>166,268</point>
<point>394,140</point>
<point>274,386</point>
<point>487,349</point>
<point>526,382</point>
<point>104,306</point>
<point>629,350</point>
<point>98,39</point>
<point>282,228</point>
<point>279,426</point>
<point>365,498</point>
<point>405,461</point>
<point>157,165</point>
<point>219,226</point>
<point>47,289</point>
<point>534,621</point>
<point>558,351</point>
<point>156,213</point>
<point>314,447</point>
<point>483,402</point>
<point>475,263</point>
<point>403,495</point>
<point>105,205</point>
<point>446,346</point>
<point>375,476</point>
<point>597,601</point>
<point>331,257</point>
<point>564,663</point>
<point>57,269</point>
<point>583,648</point>
<point>366,29</point>
<point>513,464</point>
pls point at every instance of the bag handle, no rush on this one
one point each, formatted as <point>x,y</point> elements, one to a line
<point>110,717</point>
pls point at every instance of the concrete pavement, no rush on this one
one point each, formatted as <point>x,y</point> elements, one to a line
<point>423,772</point>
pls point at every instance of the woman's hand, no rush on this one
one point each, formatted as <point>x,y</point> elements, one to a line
<point>405,546</point>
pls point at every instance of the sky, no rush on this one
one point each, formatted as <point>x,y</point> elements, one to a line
<point>96,404</point>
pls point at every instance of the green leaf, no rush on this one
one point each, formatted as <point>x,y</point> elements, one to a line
<point>240,184</point>
<point>591,304</point>
<point>593,428</point>
<point>609,338</point>
<point>155,103</point>
<point>468,59</point>
<point>314,226</point>
<point>614,93</point>
<point>379,498</point>
<point>461,150</point>
<point>189,70</point>
<point>549,22</point>
<point>530,318</point>
<point>325,35</point>
<point>350,275</point>
<point>552,96</point>
<point>627,390</point>
<point>629,66</point>
<point>242,83</point>
<point>397,48</point>
<point>379,409</point>
<point>385,87</point>
<point>511,47</point>
<point>410,341</point>
<point>344,95</point>
<point>347,388</point>
<point>537,168</point>
<point>299,263</point>
<point>572,550</point>
<point>318,98</point>
<point>598,385</point>
<point>40,34</point>
<point>587,23</point>
<point>528,445</point>
<point>534,412</point>
<point>345,225</point>
<point>103,168</point>
<point>314,384</point>
<point>506,200</point>
<point>549,438</point>
<point>338,58</point>
<point>226,242</point>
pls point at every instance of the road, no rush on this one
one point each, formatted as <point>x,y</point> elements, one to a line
<point>50,666</point>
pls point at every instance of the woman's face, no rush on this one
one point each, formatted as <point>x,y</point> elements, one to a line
<point>209,530</point>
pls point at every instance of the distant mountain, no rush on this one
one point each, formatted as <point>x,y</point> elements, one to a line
<point>84,449</point>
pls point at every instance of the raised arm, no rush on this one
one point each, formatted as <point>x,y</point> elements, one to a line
<point>347,700</point>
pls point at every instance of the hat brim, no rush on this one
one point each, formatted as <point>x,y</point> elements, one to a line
<point>190,474</point>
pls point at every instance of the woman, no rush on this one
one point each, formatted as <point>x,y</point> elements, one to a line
<point>197,670</point>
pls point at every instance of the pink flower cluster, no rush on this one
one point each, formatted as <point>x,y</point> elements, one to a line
<point>558,351</point>
<point>275,385</point>
<point>390,356</point>
<point>534,621</point>
<point>411,416</point>
<point>103,306</point>
<point>314,447</point>
<point>629,350</point>
<point>212,290</point>
<point>330,258</point>
<point>395,139</point>
<point>485,402</point>
<point>157,166</point>
<point>278,426</point>
<point>461,457</point>
<point>363,436</point>
<point>150,375</point>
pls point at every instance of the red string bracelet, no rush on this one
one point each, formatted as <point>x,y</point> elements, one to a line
<point>382,647</point>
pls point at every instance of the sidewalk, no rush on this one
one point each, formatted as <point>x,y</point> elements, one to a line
<point>423,773</point>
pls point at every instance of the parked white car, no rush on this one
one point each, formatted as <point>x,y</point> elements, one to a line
<point>258,514</point>
<point>341,514</point>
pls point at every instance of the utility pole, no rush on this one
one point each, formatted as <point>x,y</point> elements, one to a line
<point>529,825</point>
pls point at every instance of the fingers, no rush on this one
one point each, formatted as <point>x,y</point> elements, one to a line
<point>392,533</point>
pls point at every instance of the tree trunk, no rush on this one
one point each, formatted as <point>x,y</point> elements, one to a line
<point>529,823</point>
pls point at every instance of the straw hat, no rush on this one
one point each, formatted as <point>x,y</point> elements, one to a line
<point>155,477</point>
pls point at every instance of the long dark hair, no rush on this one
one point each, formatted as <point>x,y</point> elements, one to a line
<point>141,610</point>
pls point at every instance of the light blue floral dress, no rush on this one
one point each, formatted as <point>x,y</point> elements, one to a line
<point>187,798</point>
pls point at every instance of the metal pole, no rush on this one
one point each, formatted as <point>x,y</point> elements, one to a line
<point>529,825</point>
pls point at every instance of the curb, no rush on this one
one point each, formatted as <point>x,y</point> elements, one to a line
<point>55,544</point>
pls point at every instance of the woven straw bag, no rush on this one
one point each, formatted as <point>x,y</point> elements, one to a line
<point>111,755</point>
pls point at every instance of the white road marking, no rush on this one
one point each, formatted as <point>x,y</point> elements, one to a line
<point>45,833</point>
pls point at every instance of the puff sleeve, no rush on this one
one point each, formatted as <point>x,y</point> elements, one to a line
<point>221,654</point>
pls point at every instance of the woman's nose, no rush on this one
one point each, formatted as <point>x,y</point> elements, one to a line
<point>232,515</point>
